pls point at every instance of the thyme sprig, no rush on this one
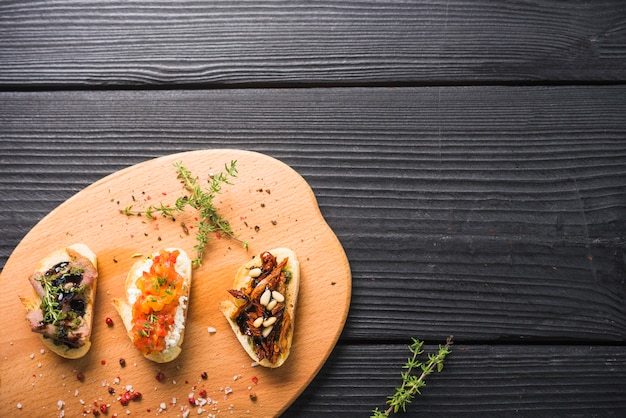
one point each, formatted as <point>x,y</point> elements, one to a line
<point>56,289</point>
<point>209,220</point>
<point>412,384</point>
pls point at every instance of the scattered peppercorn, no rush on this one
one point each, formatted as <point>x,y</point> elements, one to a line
<point>103,362</point>
<point>203,393</point>
<point>111,391</point>
<point>160,376</point>
<point>136,396</point>
<point>204,375</point>
<point>122,362</point>
<point>109,321</point>
<point>103,408</point>
<point>80,376</point>
<point>125,398</point>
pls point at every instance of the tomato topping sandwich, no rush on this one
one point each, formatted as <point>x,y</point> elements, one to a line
<point>61,308</point>
<point>155,309</point>
<point>262,311</point>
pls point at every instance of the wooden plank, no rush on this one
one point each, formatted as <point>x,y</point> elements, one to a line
<point>489,381</point>
<point>332,42</point>
<point>491,213</point>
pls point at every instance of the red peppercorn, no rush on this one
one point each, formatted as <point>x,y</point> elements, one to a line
<point>125,398</point>
<point>109,321</point>
<point>103,362</point>
<point>203,393</point>
<point>255,380</point>
<point>80,376</point>
<point>103,408</point>
<point>192,401</point>
<point>136,396</point>
<point>160,376</point>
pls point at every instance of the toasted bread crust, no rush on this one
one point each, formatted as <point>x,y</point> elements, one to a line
<point>242,281</point>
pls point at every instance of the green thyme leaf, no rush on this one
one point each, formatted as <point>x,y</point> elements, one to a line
<point>210,221</point>
<point>412,384</point>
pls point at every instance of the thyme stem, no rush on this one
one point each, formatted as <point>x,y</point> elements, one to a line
<point>412,384</point>
<point>210,221</point>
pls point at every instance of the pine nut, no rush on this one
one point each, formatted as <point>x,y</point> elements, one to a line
<point>276,295</point>
<point>258,322</point>
<point>255,272</point>
<point>266,332</point>
<point>272,304</point>
<point>269,321</point>
<point>265,297</point>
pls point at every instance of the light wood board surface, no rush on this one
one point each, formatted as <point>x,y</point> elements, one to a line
<point>268,205</point>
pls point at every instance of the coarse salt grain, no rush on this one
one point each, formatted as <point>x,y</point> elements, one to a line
<point>19,406</point>
<point>211,330</point>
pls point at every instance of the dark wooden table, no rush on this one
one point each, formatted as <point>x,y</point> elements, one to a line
<point>469,155</point>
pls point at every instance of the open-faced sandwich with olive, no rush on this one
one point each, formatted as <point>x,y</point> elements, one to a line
<point>61,308</point>
<point>263,306</point>
<point>155,309</point>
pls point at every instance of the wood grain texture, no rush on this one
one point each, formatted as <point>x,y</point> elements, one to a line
<point>219,43</point>
<point>491,213</point>
<point>477,380</point>
<point>268,205</point>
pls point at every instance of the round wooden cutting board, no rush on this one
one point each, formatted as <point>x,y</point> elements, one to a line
<point>268,205</point>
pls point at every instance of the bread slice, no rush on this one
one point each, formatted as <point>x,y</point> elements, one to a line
<point>176,331</point>
<point>249,303</point>
<point>69,338</point>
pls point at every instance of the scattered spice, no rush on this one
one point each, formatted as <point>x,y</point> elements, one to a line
<point>160,376</point>
<point>122,362</point>
<point>80,376</point>
<point>204,375</point>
